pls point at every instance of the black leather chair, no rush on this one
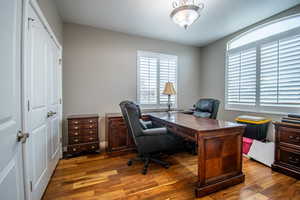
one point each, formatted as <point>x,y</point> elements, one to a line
<point>150,142</point>
<point>206,108</point>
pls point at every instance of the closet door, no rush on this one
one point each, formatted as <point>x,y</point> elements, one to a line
<point>11,163</point>
<point>53,96</point>
<point>37,93</point>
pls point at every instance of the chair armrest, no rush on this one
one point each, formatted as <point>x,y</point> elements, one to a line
<point>155,131</point>
<point>147,124</point>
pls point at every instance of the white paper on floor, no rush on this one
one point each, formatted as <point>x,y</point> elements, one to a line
<point>262,152</point>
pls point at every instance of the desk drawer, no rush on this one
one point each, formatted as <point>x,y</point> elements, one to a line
<point>289,135</point>
<point>289,157</point>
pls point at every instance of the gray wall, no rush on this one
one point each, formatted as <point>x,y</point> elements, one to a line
<point>50,11</point>
<point>213,71</point>
<point>100,69</point>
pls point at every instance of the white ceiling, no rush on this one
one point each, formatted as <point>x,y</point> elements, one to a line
<point>150,18</point>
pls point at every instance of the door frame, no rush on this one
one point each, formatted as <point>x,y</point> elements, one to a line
<point>24,83</point>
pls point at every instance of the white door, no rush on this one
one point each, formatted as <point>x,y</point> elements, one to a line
<point>53,97</point>
<point>11,164</point>
<point>37,150</point>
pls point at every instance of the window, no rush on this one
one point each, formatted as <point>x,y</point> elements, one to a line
<point>263,68</point>
<point>154,70</point>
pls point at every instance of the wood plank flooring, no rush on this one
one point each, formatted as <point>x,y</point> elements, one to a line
<point>102,177</point>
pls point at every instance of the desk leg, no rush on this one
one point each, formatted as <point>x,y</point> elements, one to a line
<point>219,160</point>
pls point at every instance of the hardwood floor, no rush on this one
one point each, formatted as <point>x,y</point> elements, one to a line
<point>103,177</point>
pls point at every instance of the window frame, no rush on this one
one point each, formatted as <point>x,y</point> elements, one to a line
<point>158,56</point>
<point>280,110</point>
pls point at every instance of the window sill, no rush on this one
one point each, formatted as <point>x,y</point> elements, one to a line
<point>255,111</point>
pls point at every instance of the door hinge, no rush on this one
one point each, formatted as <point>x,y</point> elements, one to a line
<point>60,101</point>
<point>30,20</point>
<point>30,186</point>
<point>28,105</point>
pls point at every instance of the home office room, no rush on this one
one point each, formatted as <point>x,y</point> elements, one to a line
<point>137,99</point>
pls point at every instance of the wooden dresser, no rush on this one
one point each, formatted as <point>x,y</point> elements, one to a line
<point>287,149</point>
<point>83,134</point>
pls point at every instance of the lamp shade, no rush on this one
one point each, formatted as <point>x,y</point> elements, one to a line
<point>169,89</point>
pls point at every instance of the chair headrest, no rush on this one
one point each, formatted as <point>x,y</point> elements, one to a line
<point>206,105</point>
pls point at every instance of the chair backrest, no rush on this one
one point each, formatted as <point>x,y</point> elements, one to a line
<point>131,114</point>
<point>207,108</point>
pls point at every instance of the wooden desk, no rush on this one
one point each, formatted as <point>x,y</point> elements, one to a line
<point>219,148</point>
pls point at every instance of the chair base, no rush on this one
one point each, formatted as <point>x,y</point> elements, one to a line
<point>147,161</point>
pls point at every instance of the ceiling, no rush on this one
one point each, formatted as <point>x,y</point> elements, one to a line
<point>150,18</point>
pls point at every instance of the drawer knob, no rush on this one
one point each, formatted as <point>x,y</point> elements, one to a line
<point>91,131</point>
<point>93,147</point>
<point>75,133</point>
<point>76,122</point>
<point>91,126</point>
<point>91,121</point>
<point>91,138</point>
<point>76,127</point>
<point>76,140</point>
<point>74,149</point>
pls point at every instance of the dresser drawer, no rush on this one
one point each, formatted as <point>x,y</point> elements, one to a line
<point>88,126</point>
<point>91,138</point>
<point>289,157</point>
<point>74,127</point>
<point>289,135</point>
<point>74,140</point>
<point>88,132</point>
<point>74,122</point>
<point>74,149</point>
<point>74,133</point>
<point>89,121</point>
<point>91,147</point>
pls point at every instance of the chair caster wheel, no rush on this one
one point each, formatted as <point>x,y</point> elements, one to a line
<point>144,171</point>
<point>129,163</point>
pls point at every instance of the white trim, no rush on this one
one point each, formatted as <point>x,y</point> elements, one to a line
<point>40,14</point>
<point>258,27</point>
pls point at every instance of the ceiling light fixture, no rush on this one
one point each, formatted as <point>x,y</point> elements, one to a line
<point>186,12</point>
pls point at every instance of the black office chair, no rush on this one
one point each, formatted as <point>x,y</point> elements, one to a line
<point>206,108</point>
<point>150,142</point>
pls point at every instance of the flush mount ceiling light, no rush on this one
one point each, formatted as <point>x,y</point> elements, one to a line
<point>186,12</point>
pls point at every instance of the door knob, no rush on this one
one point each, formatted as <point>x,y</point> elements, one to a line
<point>22,137</point>
<point>50,114</point>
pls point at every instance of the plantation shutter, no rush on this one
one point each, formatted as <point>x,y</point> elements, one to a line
<point>147,79</point>
<point>280,73</point>
<point>167,73</point>
<point>154,70</point>
<point>241,78</point>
